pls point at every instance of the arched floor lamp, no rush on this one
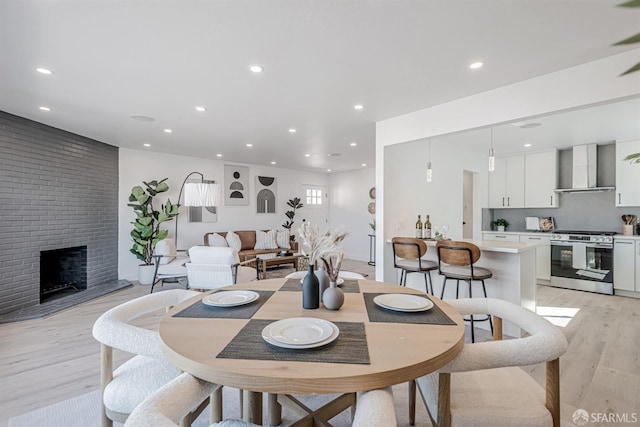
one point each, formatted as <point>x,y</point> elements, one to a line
<point>202,194</point>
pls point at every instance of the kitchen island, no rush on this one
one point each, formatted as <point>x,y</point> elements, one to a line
<point>514,274</point>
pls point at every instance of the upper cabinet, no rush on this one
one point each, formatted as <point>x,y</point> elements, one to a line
<point>525,181</point>
<point>627,175</point>
<point>506,183</point>
<point>541,180</point>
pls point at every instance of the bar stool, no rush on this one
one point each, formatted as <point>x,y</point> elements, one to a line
<point>407,256</point>
<point>456,261</point>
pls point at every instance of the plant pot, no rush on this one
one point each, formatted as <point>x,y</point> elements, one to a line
<point>500,228</point>
<point>145,274</point>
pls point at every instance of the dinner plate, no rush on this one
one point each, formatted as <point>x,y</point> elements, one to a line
<point>300,333</point>
<point>403,302</point>
<point>339,282</point>
<point>230,298</point>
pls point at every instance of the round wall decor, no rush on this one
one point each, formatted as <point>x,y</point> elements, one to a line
<point>372,193</point>
<point>371,207</point>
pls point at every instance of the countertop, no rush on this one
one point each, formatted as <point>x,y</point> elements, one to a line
<point>622,236</point>
<point>494,246</point>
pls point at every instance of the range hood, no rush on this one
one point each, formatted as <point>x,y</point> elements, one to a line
<point>585,161</point>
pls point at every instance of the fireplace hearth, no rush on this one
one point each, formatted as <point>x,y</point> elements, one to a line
<point>62,272</point>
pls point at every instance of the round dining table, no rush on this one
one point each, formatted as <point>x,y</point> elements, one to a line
<point>397,352</point>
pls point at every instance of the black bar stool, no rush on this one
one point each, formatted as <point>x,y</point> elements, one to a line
<point>407,256</point>
<point>456,261</point>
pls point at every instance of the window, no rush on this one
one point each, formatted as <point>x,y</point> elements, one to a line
<point>314,196</point>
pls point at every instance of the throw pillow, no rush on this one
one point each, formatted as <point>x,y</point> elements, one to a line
<point>266,240</point>
<point>217,240</point>
<point>234,241</point>
<point>282,238</point>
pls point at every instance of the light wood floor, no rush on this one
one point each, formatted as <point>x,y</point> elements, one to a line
<point>44,361</point>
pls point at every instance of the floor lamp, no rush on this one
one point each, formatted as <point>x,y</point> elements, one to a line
<point>202,194</point>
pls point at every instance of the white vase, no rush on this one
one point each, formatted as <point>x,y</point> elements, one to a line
<point>501,228</point>
<point>145,274</point>
<point>323,280</point>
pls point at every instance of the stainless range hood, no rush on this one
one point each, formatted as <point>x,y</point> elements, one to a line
<point>585,161</point>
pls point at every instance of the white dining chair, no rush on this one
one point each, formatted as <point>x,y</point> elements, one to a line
<point>484,386</point>
<point>212,267</point>
<point>137,378</point>
<point>173,402</point>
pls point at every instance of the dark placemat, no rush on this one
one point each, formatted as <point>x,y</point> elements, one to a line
<point>199,309</point>
<point>349,286</point>
<point>349,347</point>
<point>435,316</point>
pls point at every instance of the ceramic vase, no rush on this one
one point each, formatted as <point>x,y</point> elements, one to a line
<point>310,290</point>
<point>323,280</point>
<point>333,297</point>
<point>145,273</point>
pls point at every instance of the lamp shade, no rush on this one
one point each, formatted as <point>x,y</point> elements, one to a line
<point>200,194</point>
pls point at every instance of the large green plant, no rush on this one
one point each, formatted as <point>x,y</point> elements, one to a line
<point>146,231</point>
<point>294,204</point>
<point>633,39</point>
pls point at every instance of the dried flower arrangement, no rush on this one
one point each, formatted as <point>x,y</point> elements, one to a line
<point>320,244</point>
<point>333,270</point>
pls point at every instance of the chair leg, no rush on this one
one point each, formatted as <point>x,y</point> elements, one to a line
<point>484,289</point>
<point>426,283</point>
<point>444,283</point>
<point>412,402</point>
<point>401,277</point>
<point>473,334</point>
<point>457,288</point>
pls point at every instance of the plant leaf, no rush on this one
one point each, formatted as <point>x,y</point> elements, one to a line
<point>630,40</point>
<point>631,70</point>
<point>630,3</point>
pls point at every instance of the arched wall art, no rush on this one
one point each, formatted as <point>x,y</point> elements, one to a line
<point>265,194</point>
<point>236,185</point>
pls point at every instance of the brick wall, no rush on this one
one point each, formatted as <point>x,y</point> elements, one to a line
<point>57,190</point>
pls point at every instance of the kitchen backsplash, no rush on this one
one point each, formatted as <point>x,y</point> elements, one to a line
<point>577,211</point>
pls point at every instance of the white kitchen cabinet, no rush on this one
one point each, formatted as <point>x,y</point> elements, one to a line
<point>506,183</point>
<point>625,265</point>
<point>541,180</point>
<point>543,254</point>
<point>501,237</point>
<point>627,175</point>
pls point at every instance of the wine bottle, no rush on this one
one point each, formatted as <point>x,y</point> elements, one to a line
<point>427,228</point>
<point>419,228</point>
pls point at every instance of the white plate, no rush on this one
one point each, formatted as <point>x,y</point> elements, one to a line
<point>300,330</point>
<point>403,302</point>
<point>339,282</point>
<point>268,335</point>
<point>230,298</point>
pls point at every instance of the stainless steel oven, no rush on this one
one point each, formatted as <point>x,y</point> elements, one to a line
<point>582,260</point>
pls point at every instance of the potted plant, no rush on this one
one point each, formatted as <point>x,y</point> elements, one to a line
<point>146,231</point>
<point>294,204</point>
<point>500,224</point>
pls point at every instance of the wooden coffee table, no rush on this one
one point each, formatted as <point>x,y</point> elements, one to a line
<point>268,260</point>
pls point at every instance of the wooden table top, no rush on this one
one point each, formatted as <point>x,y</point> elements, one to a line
<point>398,351</point>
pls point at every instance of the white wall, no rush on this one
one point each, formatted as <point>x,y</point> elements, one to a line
<point>140,165</point>
<point>348,199</point>
<point>575,87</point>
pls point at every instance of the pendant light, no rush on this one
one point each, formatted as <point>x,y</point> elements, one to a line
<point>429,170</point>
<point>492,157</point>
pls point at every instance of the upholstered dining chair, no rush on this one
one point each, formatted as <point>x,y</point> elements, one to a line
<point>484,386</point>
<point>212,267</point>
<point>137,378</point>
<point>407,256</point>
<point>343,274</point>
<point>456,260</point>
<point>170,404</point>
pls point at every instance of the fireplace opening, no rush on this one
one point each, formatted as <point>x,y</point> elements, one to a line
<point>62,272</point>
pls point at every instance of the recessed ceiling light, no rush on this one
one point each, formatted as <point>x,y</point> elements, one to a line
<point>353,144</point>
<point>168,131</point>
<point>45,108</point>
<point>273,163</point>
<point>44,71</point>
<point>147,145</point>
<point>476,65</point>
<point>307,155</point>
<point>142,118</point>
<point>256,68</point>
<point>328,170</point>
<point>249,145</point>
<point>292,130</point>
<point>201,109</point>
<point>218,155</point>
<point>364,164</point>
<point>358,107</point>
<point>527,145</point>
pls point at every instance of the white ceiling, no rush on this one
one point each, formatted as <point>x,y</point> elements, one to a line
<point>112,59</point>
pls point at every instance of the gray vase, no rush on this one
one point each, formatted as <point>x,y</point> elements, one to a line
<point>333,297</point>
<point>323,280</point>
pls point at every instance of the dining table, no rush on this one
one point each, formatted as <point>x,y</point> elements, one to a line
<point>372,345</point>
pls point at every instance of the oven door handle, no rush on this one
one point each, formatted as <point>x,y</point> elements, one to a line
<point>600,245</point>
<point>561,243</point>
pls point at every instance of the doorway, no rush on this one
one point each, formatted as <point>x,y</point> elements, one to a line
<point>315,209</point>
<point>467,204</point>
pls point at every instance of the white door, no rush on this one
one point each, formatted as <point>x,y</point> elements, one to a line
<point>315,209</point>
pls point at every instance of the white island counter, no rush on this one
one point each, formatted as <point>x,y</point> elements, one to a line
<point>514,274</point>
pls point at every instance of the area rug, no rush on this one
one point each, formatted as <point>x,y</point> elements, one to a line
<point>84,411</point>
